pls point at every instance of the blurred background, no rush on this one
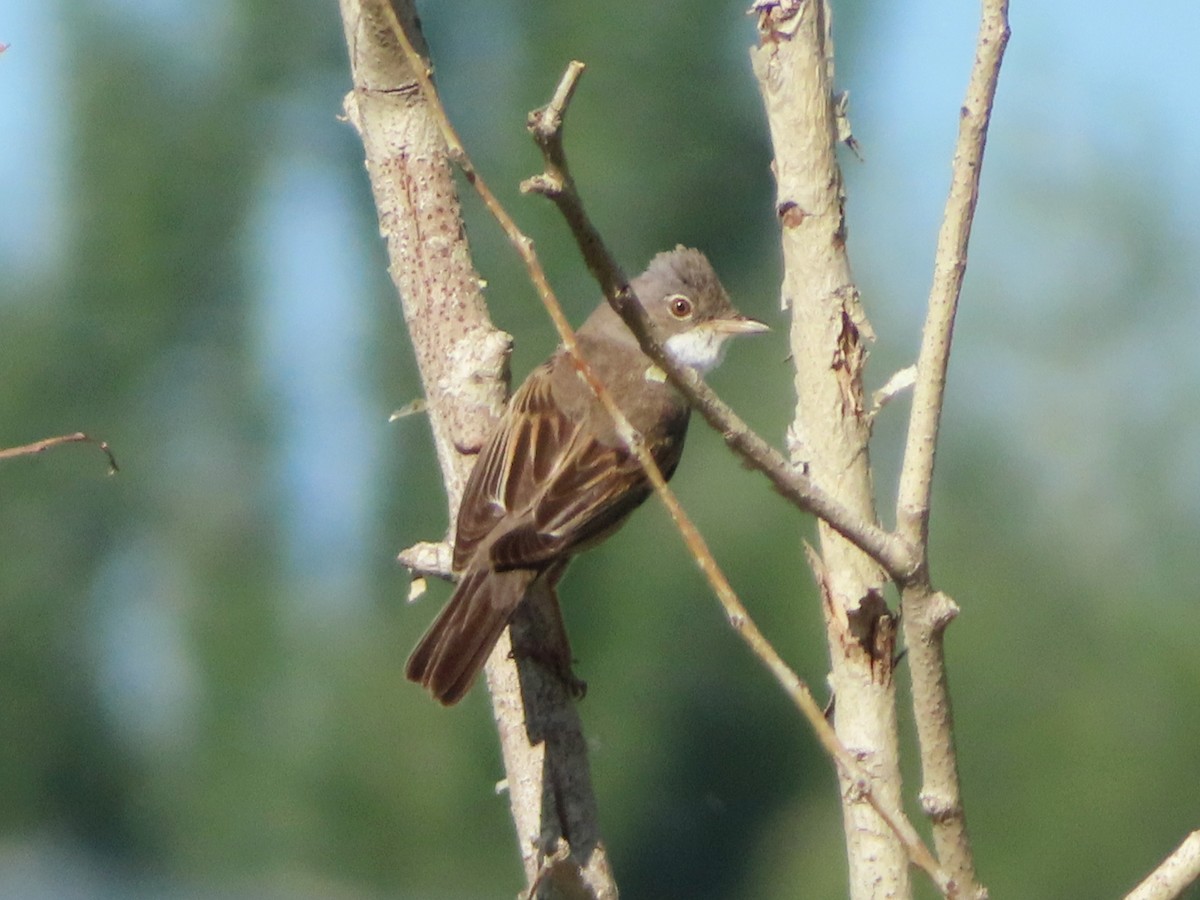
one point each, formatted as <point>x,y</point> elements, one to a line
<point>201,688</point>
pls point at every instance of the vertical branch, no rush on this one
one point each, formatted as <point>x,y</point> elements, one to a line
<point>927,612</point>
<point>793,64</point>
<point>950,265</point>
<point>462,358</point>
<point>463,364</point>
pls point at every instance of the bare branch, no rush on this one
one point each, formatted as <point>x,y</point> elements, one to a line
<point>1174,875</point>
<point>927,612</point>
<point>46,443</point>
<point>830,432</point>
<point>912,511</point>
<point>463,364</point>
<point>556,183</point>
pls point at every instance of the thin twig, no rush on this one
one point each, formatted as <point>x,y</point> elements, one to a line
<point>927,612</point>
<point>46,443</point>
<point>916,480</point>
<point>736,613</point>
<point>557,184</point>
<point>1173,875</point>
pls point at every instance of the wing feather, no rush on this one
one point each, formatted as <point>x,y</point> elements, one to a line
<point>505,475</point>
<point>589,495</point>
<point>546,485</point>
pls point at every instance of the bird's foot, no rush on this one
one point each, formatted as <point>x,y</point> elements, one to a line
<point>558,664</point>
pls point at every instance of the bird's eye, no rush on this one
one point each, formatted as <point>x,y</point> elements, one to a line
<point>681,306</point>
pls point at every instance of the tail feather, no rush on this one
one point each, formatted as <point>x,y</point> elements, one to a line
<point>457,644</point>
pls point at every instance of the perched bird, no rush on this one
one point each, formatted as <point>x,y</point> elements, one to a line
<point>554,477</point>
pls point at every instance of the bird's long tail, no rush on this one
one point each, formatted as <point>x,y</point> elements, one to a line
<point>457,644</point>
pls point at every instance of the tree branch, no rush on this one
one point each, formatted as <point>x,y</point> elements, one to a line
<point>555,182</point>
<point>916,479</point>
<point>1174,875</point>
<point>927,612</point>
<point>463,365</point>
<point>830,432</point>
<point>46,443</point>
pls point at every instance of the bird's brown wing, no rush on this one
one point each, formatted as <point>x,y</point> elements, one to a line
<point>545,485</point>
<point>574,489</point>
<point>543,488</point>
<point>516,459</point>
<point>503,482</point>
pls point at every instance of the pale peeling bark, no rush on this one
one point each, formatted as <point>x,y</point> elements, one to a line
<point>829,436</point>
<point>463,361</point>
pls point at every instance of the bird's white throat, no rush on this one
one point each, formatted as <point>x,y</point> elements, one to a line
<point>700,348</point>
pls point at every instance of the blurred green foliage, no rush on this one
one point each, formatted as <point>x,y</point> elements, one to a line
<point>201,689</point>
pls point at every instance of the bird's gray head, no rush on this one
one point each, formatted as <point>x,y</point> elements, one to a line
<point>686,300</point>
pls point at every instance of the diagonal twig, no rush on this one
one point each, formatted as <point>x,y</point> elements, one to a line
<point>556,183</point>
<point>615,284</point>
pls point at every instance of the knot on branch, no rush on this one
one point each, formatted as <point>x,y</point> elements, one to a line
<point>546,184</point>
<point>559,874</point>
<point>777,19</point>
<point>428,559</point>
<point>943,610</point>
<point>939,809</point>
<point>791,214</point>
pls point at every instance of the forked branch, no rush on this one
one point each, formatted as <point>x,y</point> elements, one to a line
<point>902,554</point>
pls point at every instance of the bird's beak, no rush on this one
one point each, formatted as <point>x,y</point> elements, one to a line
<point>739,325</point>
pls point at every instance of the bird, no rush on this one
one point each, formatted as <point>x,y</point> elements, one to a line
<point>555,478</point>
